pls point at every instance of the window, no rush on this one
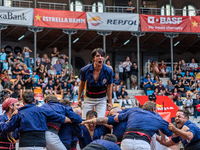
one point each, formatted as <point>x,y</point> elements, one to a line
<point>7,3</point>
<point>97,7</point>
<point>165,10</point>
<point>77,64</point>
<point>189,10</point>
<point>77,7</point>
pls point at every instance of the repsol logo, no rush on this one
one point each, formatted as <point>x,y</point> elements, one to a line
<point>121,22</point>
<point>11,16</point>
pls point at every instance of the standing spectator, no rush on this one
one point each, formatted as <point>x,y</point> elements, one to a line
<point>189,105</point>
<point>169,89</point>
<point>26,52</point>
<point>155,69</point>
<point>193,66</point>
<point>130,8</point>
<point>51,71</point>
<point>109,64</point>
<point>16,71</point>
<point>121,71</point>
<point>57,67</point>
<point>144,8</point>
<point>127,67</point>
<point>54,55</point>
<point>148,83</point>
<point>161,88</point>
<point>2,58</point>
<point>5,64</point>
<point>116,80</point>
<point>134,70</point>
<point>179,102</point>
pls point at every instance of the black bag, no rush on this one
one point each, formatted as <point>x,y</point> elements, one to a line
<point>152,97</point>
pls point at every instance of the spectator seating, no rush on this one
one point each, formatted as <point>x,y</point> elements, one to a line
<point>150,92</point>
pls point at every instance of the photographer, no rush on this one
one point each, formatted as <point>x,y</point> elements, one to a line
<point>127,67</point>
<point>26,51</point>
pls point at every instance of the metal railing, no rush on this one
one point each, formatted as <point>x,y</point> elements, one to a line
<point>17,3</point>
<point>120,9</point>
<point>55,6</point>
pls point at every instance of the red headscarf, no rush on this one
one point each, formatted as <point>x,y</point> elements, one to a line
<point>8,102</point>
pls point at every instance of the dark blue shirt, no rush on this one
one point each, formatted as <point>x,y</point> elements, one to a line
<point>146,81</point>
<point>64,110</point>
<point>3,119</point>
<point>99,132</point>
<point>108,144</point>
<point>50,86</point>
<point>145,120</point>
<point>195,102</point>
<point>31,118</point>
<point>67,132</point>
<point>192,128</point>
<point>105,76</point>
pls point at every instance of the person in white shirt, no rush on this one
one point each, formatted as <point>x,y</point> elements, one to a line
<point>193,65</point>
<point>189,104</point>
<point>127,66</point>
<point>121,70</point>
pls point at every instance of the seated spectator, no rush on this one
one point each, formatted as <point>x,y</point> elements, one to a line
<point>193,66</point>
<point>65,68</point>
<point>156,81</point>
<point>181,89</point>
<point>115,94</point>
<point>184,66</point>
<point>121,84</point>
<point>116,80</point>
<point>162,69</point>
<point>38,66</point>
<point>188,76</point>
<point>155,92</point>
<point>44,78</point>
<point>18,91</point>
<point>174,80</point>
<point>75,89</point>
<point>58,87</point>
<point>169,89</point>
<point>186,83</point>
<point>174,95</point>
<point>35,78</point>
<point>192,82</point>
<point>65,88</point>
<point>62,59</point>
<point>68,96</point>
<point>63,77</point>
<point>5,64</point>
<point>16,71</point>
<point>4,76</point>
<point>47,64</point>
<point>148,83</point>
<point>196,101</point>
<point>57,67</point>
<point>41,70</point>
<point>8,83</point>
<point>155,69</point>
<point>189,105</point>
<point>51,71</point>
<point>28,84</point>
<point>18,81</point>
<point>49,88</point>
<point>179,102</point>
<point>45,58</point>
<point>123,95</point>
<point>72,80</point>
<point>176,68</point>
<point>19,56</point>
<point>179,75</point>
<point>25,72</point>
<point>133,71</point>
<point>109,64</point>
<point>161,88</point>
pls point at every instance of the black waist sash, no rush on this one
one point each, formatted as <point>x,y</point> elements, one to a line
<point>32,138</point>
<point>193,146</point>
<point>138,134</point>
<point>95,146</point>
<point>96,92</point>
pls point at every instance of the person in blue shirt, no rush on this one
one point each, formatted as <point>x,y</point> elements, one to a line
<point>187,132</point>
<point>148,83</point>
<point>98,78</point>
<point>35,78</point>
<point>92,131</point>
<point>108,143</point>
<point>32,123</point>
<point>142,124</point>
<point>2,58</point>
<point>7,140</point>
<point>52,139</point>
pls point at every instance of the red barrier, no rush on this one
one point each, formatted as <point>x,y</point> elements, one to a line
<point>169,105</point>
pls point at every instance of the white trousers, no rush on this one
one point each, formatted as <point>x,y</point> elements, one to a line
<point>125,101</point>
<point>133,144</point>
<point>32,148</point>
<point>100,105</point>
<point>53,60</point>
<point>53,141</point>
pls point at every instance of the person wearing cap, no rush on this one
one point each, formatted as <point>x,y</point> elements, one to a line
<point>31,121</point>
<point>98,78</point>
<point>8,140</point>
<point>52,139</point>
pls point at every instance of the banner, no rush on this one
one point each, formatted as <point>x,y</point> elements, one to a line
<point>195,23</point>
<point>163,103</point>
<point>16,16</point>
<point>165,23</point>
<point>59,19</point>
<point>113,21</point>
